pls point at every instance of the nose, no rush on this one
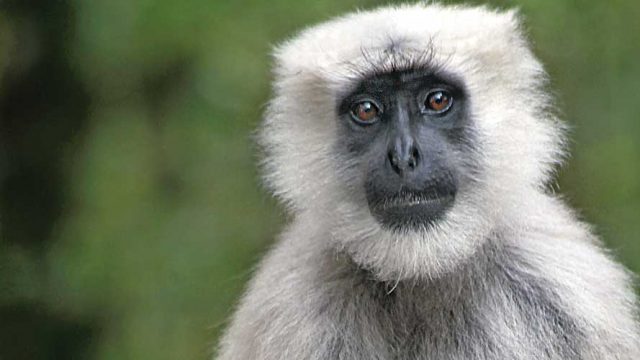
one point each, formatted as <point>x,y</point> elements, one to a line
<point>403,156</point>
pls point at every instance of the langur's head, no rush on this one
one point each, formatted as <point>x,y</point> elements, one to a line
<point>409,133</point>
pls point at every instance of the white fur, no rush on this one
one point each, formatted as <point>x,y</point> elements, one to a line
<point>507,210</point>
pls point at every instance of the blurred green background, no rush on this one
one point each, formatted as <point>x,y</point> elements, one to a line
<point>130,209</point>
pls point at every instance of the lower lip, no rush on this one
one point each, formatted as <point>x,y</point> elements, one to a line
<point>396,214</point>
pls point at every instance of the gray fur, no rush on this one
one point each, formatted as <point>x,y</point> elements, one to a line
<point>509,273</point>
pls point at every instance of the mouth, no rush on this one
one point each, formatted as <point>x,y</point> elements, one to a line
<point>411,209</point>
<point>412,199</point>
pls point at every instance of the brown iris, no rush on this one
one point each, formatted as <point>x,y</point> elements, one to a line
<point>438,101</point>
<point>365,112</point>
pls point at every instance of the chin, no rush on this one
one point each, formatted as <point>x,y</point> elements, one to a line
<point>415,241</point>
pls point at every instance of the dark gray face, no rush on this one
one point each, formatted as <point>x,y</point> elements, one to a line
<point>406,130</point>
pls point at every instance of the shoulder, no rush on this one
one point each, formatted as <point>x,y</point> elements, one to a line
<point>593,288</point>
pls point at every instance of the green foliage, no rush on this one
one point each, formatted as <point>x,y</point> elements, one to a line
<point>163,214</point>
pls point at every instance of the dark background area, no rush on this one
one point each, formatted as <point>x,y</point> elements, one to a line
<point>130,209</point>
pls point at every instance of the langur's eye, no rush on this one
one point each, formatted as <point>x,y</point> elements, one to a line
<point>365,112</point>
<point>438,101</point>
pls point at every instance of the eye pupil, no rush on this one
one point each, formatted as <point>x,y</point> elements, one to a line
<point>365,112</point>
<point>438,101</point>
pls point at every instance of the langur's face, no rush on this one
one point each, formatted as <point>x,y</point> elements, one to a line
<point>409,134</point>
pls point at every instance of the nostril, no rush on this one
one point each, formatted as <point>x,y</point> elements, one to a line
<point>414,156</point>
<point>414,152</point>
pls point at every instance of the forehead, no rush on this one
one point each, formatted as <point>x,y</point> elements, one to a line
<point>405,37</point>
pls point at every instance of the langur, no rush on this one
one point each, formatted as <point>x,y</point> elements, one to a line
<point>413,147</point>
